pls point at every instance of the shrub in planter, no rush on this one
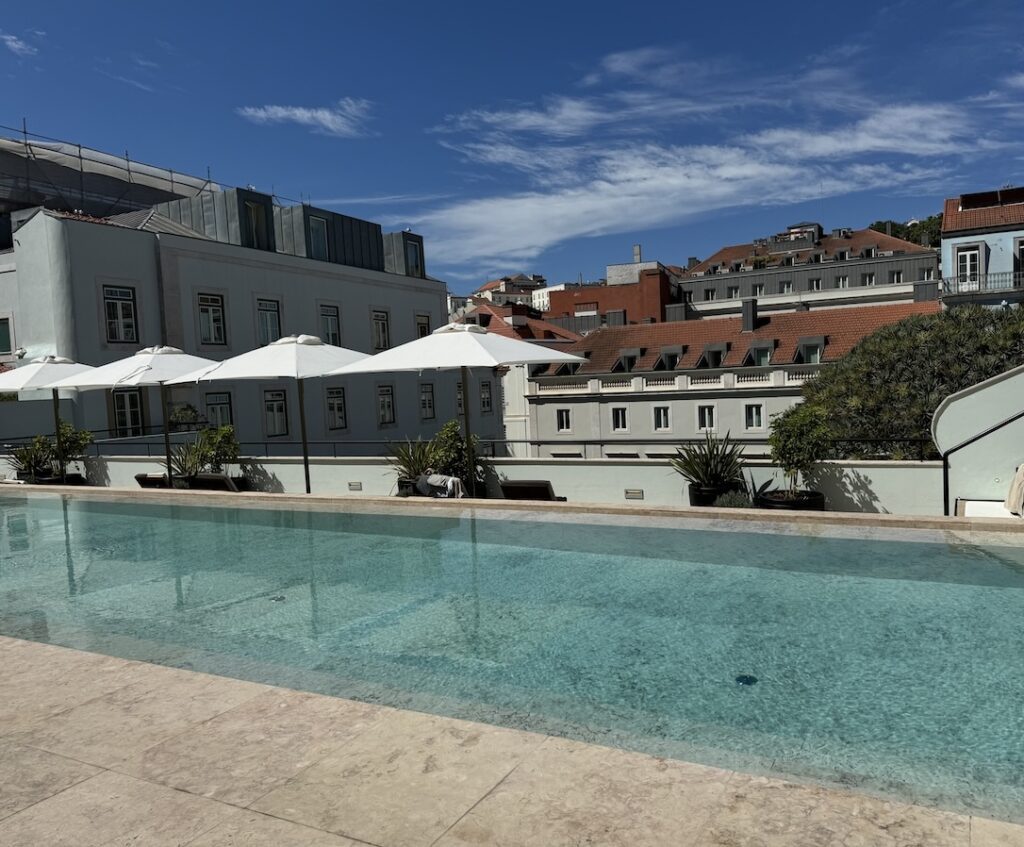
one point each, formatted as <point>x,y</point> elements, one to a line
<point>711,467</point>
<point>734,500</point>
<point>70,447</point>
<point>800,438</point>
<point>34,460</point>
<point>410,461</point>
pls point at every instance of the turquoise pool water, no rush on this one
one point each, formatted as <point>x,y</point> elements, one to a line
<point>891,667</point>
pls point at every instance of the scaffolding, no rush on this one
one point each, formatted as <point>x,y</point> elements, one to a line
<point>39,171</point>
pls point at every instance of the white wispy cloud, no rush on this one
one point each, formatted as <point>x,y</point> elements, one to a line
<point>134,83</point>
<point>379,200</point>
<point>345,119</point>
<point>18,46</point>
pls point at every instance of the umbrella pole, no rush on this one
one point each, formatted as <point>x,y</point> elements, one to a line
<point>167,432</point>
<point>302,427</point>
<point>470,463</point>
<point>56,436</point>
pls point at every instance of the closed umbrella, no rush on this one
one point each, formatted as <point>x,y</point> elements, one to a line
<point>297,357</point>
<point>460,346</point>
<point>40,373</point>
<point>151,366</point>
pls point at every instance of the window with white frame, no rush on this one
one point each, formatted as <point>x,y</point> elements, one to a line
<point>336,415</point>
<point>119,310</point>
<point>275,413</point>
<point>211,319</point>
<point>318,240</point>
<point>709,294</point>
<point>753,416</point>
<point>385,405</point>
<point>128,421</point>
<point>563,420</point>
<point>218,408</point>
<point>968,264</point>
<point>705,418</point>
<point>422,326</point>
<point>732,292</point>
<point>810,354</point>
<point>427,401</point>
<point>895,277</point>
<point>760,357</point>
<point>842,281</point>
<point>619,422</point>
<point>757,289</point>
<point>927,274</point>
<point>662,419</point>
<point>330,325</point>
<point>268,321</point>
<point>867,279</point>
<point>6,337</point>
<point>381,330</point>
<point>786,287</point>
<point>485,397</point>
<point>814,284</point>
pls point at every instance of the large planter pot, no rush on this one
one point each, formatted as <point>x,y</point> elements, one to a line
<point>804,501</point>
<point>706,496</point>
<point>70,479</point>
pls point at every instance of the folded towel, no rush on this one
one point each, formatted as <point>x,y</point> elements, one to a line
<point>1015,498</point>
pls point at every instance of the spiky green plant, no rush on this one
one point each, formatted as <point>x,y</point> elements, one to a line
<point>412,459</point>
<point>713,463</point>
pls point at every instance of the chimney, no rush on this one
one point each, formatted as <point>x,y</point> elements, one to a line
<point>749,307</point>
<point>888,227</point>
<point>692,262</point>
<point>637,254</point>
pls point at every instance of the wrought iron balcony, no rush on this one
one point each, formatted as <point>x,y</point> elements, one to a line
<point>983,283</point>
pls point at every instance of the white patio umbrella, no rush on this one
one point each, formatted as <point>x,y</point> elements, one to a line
<point>40,373</point>
<point>297,357</point>
<point>151,366</point>
<point>460,346</point>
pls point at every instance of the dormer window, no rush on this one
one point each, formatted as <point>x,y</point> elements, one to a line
<point>759,355</point>
<point>627,360</point>
<point>868,253</point>
<point>787,261</point>
<point>713,356</point>
<point>809,351</point>
<point>567,369</point>
<point>669,359</point>
<point>842,255</point>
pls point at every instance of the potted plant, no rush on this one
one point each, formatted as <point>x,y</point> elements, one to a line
<point>712,468</point>
<point>33,462</point>
<point>800,438</point>
<point>70,447</point>
<point>411,460</point>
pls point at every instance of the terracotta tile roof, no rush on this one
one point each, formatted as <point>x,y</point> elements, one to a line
<point>956,219</point>
<point>841,328</point>
<point>534,329</point>
<point>829,246</point>
<point>488,286</point>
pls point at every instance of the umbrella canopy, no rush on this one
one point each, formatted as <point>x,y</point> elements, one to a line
<point>459,346</point>
<point>297,357</point>
<point>291,357</point>
<point>150,366</point>
<point>40,373</point>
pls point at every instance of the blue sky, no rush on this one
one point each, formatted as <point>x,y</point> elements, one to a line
<point>545,137</point>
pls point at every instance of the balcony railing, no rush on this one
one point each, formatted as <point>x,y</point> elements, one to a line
<point>983,283</point>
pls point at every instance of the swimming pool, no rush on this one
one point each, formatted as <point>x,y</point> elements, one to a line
<point>888,666</point>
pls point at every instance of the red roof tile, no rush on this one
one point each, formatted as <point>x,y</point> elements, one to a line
<point>955,219</point>
<point>533,329</point>
<point>829,246</point>
<point>842,329</point>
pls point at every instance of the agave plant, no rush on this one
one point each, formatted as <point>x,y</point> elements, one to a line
<point>713,463</point>
<point>412,459</point>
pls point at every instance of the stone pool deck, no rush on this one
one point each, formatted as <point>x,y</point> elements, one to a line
<point>97,751</point>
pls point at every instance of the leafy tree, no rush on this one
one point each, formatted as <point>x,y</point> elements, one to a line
<point>930,226</point>
<point>888,387</point>
<point>799,440</point>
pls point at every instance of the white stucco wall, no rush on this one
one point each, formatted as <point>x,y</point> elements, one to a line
<point>901,488</point>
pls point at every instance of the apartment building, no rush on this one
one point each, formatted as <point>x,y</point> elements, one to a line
<point>983,247</point>
<point>519,289</point>
<point>216,276</point>
<point>645,388</point>
<point>804,265</point>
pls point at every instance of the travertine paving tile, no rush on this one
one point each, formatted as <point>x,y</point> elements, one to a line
<point>28,775</point>
<point>113,810</point>
<point>989,833</point>
<point>570,793</point>
<point>759,812</point>
<point>246,751</point>
<point>118,726</point>
<point>251,829</point>
<point>403,781</point>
